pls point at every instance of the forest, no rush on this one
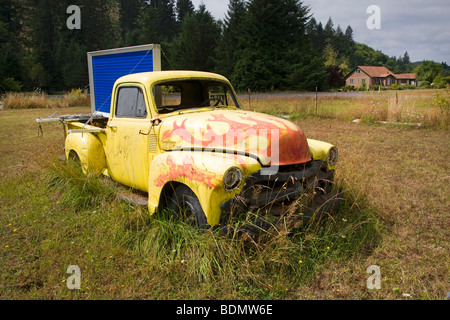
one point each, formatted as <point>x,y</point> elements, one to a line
<point>260,45</point>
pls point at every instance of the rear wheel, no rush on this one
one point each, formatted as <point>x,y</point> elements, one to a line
<point>186,207</point>
<point>75,162</point>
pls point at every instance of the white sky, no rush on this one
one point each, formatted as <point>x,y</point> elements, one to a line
<point>420,27</point>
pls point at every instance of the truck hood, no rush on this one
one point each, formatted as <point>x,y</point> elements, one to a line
<point>274,141</point>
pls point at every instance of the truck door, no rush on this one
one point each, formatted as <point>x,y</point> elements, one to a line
<point>128,132</point>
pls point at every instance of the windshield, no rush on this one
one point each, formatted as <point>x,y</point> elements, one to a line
<point>189,94</point>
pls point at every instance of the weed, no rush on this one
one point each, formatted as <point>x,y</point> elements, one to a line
<point>78,190</point>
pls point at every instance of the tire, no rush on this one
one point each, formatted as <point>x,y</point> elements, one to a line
<point>185,206</point>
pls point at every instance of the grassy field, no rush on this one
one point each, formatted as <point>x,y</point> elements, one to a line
<point>429,108</point>
<point>396,216</point>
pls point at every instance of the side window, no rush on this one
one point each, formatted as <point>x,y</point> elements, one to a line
<point>130,103</point>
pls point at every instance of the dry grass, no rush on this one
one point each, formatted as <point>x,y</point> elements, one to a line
<point>396,181</point>
<point>404,175</point>
<point>37,100</point>
<point>413,107</point>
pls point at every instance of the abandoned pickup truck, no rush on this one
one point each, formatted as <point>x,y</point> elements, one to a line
<point>182,138</point>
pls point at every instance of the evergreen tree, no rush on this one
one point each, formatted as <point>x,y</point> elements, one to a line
<point>57,59</point>
<point>329,32</point>
<point>43,72</point>
<point>10,46</point>
<point>349,47</point>
<point>184,8</point>
<point>98,32</point>
<point>129,17</point>
<point>406,60</point>
<point>231,43</point>
<point>338,41</point>
<point>316,34</point>
<point>277,50</point>
<point>194,48</point>
<point>159,24</point>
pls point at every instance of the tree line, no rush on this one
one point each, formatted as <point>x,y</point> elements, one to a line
<point>261,45</point>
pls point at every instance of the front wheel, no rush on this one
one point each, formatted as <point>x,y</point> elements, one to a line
<point>186,207</point>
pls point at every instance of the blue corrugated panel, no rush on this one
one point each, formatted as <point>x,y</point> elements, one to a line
<point>108,68</point>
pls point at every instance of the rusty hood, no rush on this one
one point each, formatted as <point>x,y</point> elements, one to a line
<point>274,141</point>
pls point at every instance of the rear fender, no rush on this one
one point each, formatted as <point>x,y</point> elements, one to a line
<point>89,149</point>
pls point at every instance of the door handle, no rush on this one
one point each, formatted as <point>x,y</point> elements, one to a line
<point>112,126</point>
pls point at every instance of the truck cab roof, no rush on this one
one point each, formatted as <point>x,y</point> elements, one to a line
<point>157,76</point>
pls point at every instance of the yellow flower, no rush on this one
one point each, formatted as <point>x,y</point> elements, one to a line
<point>300,261</point>
<point>6,246</point>
<point>328,248</point>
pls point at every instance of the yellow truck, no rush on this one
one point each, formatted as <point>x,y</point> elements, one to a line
<point>182,139</point>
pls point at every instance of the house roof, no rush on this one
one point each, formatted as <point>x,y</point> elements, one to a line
<point>383,72</point>
<point>376,71</point>
<point>404,76</point>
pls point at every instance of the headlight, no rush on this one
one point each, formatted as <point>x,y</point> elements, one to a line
<point>232,179</point>
<point>333,155</point>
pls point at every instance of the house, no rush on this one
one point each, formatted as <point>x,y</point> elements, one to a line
<point>406,79</point>
<point>376,75</point>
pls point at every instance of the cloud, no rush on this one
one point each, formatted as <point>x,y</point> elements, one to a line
<point>419,27</point>
<point>218,8</point>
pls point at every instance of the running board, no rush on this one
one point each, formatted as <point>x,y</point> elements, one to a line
<point>133,198</point>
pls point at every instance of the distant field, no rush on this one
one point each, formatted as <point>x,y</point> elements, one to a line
<point>395,178</point>
<point>409,106</point>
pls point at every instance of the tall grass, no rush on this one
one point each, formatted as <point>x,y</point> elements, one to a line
<point>36,100</point>
<point>255,267</point>
<point>263,266</point>
<point>77,190</point>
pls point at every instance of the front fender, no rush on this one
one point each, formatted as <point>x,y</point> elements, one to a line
<point>89,149</point>
<point>203,173</point>
<point>319,150</point>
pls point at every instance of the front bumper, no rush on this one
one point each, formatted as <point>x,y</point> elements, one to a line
<point>297,192</point>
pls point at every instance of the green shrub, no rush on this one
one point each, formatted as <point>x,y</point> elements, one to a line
<point>397,87</point>
<point>442,101</point>
<point>10,85</point>
<point>441,82</point>
<point>377,87</point>
<point>348,88</point>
